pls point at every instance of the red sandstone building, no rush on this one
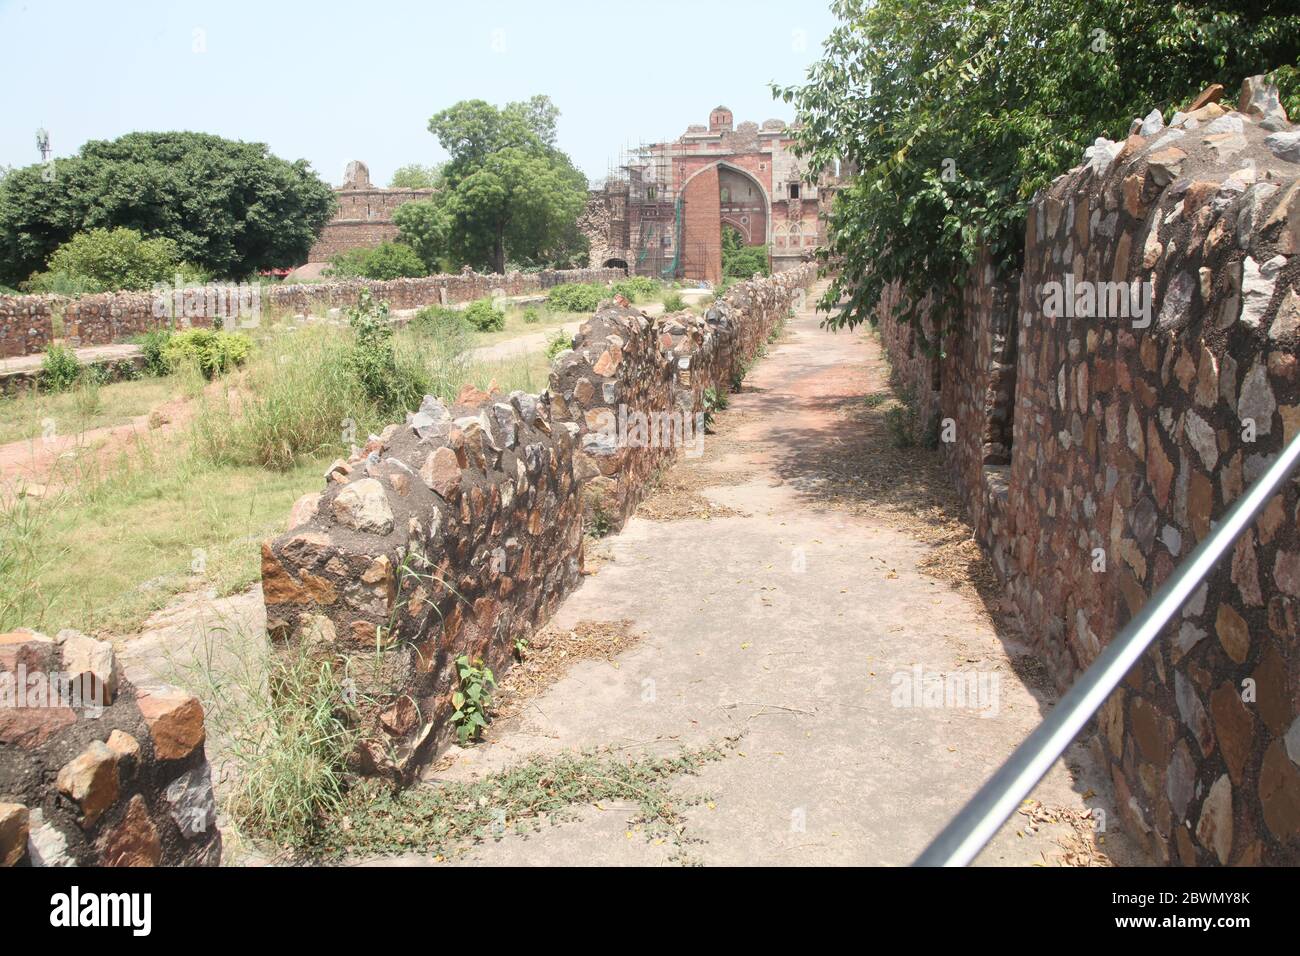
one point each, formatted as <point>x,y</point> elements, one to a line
<point>662,212</point>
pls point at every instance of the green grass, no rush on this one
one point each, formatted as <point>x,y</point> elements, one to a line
<point>516,325</point>
<point>132,535</point>
<point>29,415</point>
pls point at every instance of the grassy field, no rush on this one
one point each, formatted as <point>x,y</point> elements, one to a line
<point>88,406</point>
<point>119,535</point>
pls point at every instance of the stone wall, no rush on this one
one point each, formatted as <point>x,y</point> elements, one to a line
<point>1133,431</point>
<point>94,771</point>
<point>26,322</point>
<point>461,530</point>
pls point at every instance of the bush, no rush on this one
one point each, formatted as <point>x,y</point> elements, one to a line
<point>316,390</point>
<point>61,283</point>
<point>60,369</point>
<point>212,352</point>
<point>575,297</point>
<point>637,288</point>
<point>389,260</point>
<point>152,345</point>
<point>559,342</point>
<point>532,315</point>
<point>740,261</point>
<point>485,317</point>
<point>438,322</point>
<point>673,302</point>
<point>109,259</point>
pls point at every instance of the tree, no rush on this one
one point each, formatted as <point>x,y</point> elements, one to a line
<point>388,260</point>
<point>232,208</point>
<point>740,261</point>
<point>425,225</point>
<point>507,192</point>
<point>415,176</point>
<point>109,259</point>
<point>956,113</point>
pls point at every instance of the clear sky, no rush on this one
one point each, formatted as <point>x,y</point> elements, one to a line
<point>331,81</point>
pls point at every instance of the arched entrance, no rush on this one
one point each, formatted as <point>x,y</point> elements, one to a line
<point>718,193</point>
<point>615,264</point>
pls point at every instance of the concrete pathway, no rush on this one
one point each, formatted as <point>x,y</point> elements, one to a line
<point>786,624</point>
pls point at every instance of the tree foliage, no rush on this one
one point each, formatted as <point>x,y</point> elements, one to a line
<point>103,260</point>
<point>954,114</point>
<point>740,261</point>
<point>231,208</point>
<point>506,193</point>
<point>388,260</point>
<point>415,176</point>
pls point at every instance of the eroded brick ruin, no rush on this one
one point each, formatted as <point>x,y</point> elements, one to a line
<point>661,212</point>
<point>462,529</point>
<point>1095,451</point>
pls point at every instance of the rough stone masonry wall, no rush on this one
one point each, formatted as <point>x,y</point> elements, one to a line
<point>1129,442</point>
<point>461,530</point>
<point>27,321</point>
<point>125,785</point>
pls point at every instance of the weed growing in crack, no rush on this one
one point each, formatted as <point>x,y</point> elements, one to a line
<point>441,817</point>
<point>473,699</point>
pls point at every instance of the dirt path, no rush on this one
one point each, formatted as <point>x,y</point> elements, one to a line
<point>782,618</point>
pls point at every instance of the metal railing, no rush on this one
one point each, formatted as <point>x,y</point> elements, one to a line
<point>976,823</point>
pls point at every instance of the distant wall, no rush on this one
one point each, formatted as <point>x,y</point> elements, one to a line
<point>27,321</point>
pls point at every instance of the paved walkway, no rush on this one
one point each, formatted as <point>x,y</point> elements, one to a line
<point>786,622</point>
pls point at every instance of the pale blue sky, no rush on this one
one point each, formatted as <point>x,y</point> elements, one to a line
<point>331,81</point>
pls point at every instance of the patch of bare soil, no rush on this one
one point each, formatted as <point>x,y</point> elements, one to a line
<point>549,655</point>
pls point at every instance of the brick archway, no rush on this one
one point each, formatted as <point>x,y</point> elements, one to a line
<point>701,251</point>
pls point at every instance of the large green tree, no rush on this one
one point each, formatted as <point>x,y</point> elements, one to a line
<point>955,113</point>
<point>507,193</point>
<point>231,207</point>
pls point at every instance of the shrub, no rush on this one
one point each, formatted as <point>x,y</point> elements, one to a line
<point>560,341</point>
<point>109,259</point>
<point>532,315</point>
<point>152,344</point>
<point>60,369</point>
<point>673,302</point>
<point>739,260</point>
<point>373,360</point>
<point>485,317</point>
<point>575,297</point>
<point>389,260</point>
<point>636,288</point>
<point>212,352</point>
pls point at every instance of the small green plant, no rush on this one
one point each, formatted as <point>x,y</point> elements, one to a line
<point>575,297</point>
<point>213,352</point>
<point>714,401</point>
<point>521,648</point>
<point>532,315</point>
<point>152,346</point>
<point>673,302</point>
<point>558,343</point>
<point>485,317</point>
<point>60,369</point>
<point>473,698</point>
